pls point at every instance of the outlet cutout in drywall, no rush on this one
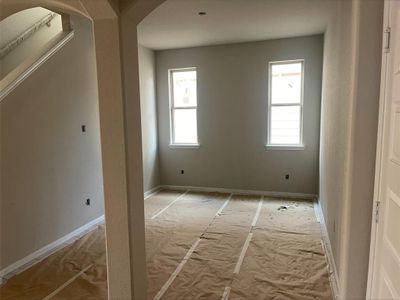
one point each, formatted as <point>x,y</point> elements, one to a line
<point>287,176</point>
<point>87,202</point>
<point>83,128</point>
<point>182,172</point>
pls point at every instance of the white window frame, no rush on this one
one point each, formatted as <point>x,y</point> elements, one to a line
<point>172,108</point>
<point>269,145</point>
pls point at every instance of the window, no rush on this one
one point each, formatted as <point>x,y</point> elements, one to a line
<point>285,122</point>
<point>183,106</point>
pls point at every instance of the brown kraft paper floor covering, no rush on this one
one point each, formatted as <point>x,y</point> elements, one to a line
<point>284,259</point>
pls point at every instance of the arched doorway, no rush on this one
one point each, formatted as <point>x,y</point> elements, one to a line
<point>123,231</point>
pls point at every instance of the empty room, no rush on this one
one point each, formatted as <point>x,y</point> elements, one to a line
<point>199,149</point>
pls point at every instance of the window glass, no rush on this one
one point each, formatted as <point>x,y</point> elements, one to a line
<point>185,126</point>
<point>184,88</point>
<point>286,83</point>
<point>285,103</point>
<point>285,125</point>
<point>183,109</point>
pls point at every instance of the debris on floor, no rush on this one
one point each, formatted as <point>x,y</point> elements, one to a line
<point>283,207</point>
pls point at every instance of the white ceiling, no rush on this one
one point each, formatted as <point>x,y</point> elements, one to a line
<point>176,23</point>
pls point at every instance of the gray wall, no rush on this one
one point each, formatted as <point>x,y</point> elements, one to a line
<point>148,105</point>
<point>335,115</point>
<point>48,166</point>
<point>363,151</point>
<point>232,117</point>
<point>348,137</point>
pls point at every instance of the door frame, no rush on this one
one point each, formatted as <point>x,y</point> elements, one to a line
<point>379,193</point>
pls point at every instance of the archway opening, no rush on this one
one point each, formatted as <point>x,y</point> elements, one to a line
<point>52,199</point>
<point>217,118</point>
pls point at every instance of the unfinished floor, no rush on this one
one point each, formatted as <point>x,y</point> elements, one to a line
<point>199,246</point>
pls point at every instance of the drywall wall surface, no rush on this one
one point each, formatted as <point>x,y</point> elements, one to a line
<point>335,115</point>
<point>364,141</point>
<point>349,117</point>
<point>49,167</point>
<point>148,106</point>
<point>14,25</point>
<point>232,117</point>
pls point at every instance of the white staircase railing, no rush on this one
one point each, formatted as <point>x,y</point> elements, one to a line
<point>10,46</point>
<point>23,71</point>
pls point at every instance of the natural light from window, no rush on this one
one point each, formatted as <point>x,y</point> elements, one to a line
<point>183,102</point>
<point>285,103</point>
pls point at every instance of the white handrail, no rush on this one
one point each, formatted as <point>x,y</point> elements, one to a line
<point>10,46</point>
<point>12,80</point>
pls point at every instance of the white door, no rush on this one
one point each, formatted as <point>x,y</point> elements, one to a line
<point>384,272</point>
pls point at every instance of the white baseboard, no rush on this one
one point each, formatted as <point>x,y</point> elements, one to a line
<point>326,243</point>
<point>151,192</point>
<point>242,192</point>
<point>44,252</point>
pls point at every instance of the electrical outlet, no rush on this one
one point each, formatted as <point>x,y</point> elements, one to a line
<point>287,176</point>
<point>182,172</point>
<point>88,202</point>
<point>83,128</point>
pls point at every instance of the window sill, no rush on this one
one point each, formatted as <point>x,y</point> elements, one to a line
<point>184,146</point>
<point>285,147</point>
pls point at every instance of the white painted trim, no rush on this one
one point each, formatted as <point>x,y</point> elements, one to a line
<point>172,101</point>
<point>285,147</point>
<point>151,192</point>
<point>242,192</point>
<point>379,164</point>
<point>301,104</point>
<point>184,146</point>
<point>44,252</point>
<point>326,244</point>
<point>8,88</point>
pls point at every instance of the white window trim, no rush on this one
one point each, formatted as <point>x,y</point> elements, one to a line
<point>285,147</point>
<point>184,146</point>
<point>173,145</point>
<point>301,145</point>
